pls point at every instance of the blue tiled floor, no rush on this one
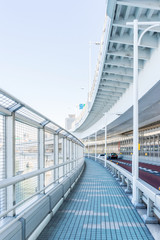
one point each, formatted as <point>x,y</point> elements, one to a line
<point>97,209</point>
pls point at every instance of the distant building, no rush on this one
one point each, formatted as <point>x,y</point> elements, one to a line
<point>69,121</point>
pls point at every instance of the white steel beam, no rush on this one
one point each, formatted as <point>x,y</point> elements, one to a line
<point>111,89</point>
<point>144,54</point>
<point>119,70</point>
<point>154,4</point>
<point>123,63</point>
<point>116,78</point>
<point>148,41</point>
<point>108,93</point>
<point>106,98</point>
<point>114,84</point>
<point>4,111</point>
<point>122,23</point>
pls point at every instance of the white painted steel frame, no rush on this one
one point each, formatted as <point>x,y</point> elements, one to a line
<point>137,43</point>
<point>11,179</point>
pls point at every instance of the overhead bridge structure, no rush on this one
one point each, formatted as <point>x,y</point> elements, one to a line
<point>112,86</point>
<point>102,179</point>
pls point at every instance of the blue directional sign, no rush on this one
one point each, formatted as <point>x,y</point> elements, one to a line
<point>81,106</point>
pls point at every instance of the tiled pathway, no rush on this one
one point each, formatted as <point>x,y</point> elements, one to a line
<point>97,208</point>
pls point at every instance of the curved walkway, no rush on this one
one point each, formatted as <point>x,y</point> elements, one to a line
<point>97,208</point>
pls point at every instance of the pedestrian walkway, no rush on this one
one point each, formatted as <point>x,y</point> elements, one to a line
<point>97,208</point>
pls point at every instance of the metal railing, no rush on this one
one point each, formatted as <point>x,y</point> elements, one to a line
<point>149,197</point>
<point>35,154</point>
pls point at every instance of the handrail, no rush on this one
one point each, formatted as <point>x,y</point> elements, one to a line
<point>3,214</point>
<point>16,179</point>
<point>16,102</point>
<point>22,214</point>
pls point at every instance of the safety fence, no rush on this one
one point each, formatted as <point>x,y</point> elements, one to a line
<point>36,156</point>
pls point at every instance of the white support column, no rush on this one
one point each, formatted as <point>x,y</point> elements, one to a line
<point>70,155</point>
<point>64,155</point>
<point>10,161</point>
<point>56,157</point>
<point>135,167</point>
<point>105,145</point>
<point>74,154</point>
<point>41,158</point>
<point>95,146</point>
<point>88,147</point>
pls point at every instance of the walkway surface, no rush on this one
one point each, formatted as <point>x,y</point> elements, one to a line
<point>97,208</point>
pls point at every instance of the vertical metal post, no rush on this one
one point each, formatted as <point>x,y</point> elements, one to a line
<point>64,155</point>
<point>70,155</point>
<point>95,146</point>
<point>88,147</point>
<point>74,154</point>
<point>41,158</point>
<point>105,145</point>
<point>10,161</point>
<point>135,169</point>
<point>56,157</point>
<point>90,71</point>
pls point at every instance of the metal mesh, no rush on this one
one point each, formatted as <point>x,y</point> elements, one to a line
<point>33,116</point>
<point>49,156</point>
<point>6,102</point>
<point>52,126</point>
<point>26,158</point>
<point>2,163</point>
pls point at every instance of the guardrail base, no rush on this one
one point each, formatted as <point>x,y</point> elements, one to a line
<point>140,206</point>
<point>127,191</point>
<point>149,220</point>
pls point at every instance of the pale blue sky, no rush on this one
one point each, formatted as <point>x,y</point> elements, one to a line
<point>44,51</point>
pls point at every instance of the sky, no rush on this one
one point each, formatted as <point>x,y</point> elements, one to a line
<point>44,52</point>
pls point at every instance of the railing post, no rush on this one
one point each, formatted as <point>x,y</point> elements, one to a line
<point>95,146</point>
<point>150,218</point>
<point>129,189</point>
<point>64,155</point>
<point>123,183</point>
<point>119,176</point>
<point>88,147</point>
<point>10,161</point>
<point>74,155</point>
<point>56,158</point>
<point>70,155</point>
<point>41,158</point>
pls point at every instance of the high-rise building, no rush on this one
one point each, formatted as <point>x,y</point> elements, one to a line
<point>69,120</point>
